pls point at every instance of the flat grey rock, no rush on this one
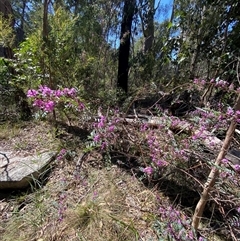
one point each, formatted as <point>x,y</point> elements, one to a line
<point>17,172</point>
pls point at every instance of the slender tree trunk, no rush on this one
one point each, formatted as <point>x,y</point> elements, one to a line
<point>197,47</point>
<point>45,32</point>
<point>20,30</point>
<point>215,171</point>
<point>208,92</point>
<point>124,50</point>
<point>148,25</point>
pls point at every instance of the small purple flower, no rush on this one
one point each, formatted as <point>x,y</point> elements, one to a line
<point>49,106</point>
<point>65,91</point>
<point>80,105</point>
<point>230,111</point>
<point>61,154</point>
<point>195,81</point>
<point>104,145</point>
<point>148,170</point>
<point>212,81</point>
<point>116,120</point>
<point>225,161</point>
<point>72,92</point>
<point>96,138</point>
<point>58,93</point>
<point>195,137</point>
<point>39,103</point>
<point>237,167</point>
<point>111,128</point>
<point>46,91</point>
<point>221,83</point>
<point>32,93</point>
<point>102,122</point>
<point>144,127</point>
<point>161,163</point>
<point>237,113</point>
<point>221,117</point>
<point>63,151</point>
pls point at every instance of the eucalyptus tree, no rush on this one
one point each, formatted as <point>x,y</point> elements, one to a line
<point>124,49</point>
<point>146,12</point>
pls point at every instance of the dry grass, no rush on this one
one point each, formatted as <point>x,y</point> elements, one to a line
<point>27,137</point>
<point>8,130</point>
<point>116,208</point>
<point>103,203</point>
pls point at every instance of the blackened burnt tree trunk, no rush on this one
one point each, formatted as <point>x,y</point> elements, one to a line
<point>124,49</point>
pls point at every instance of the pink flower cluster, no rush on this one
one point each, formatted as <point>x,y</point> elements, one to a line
<point>47,92</point>
<point>61,154</point>
<point>46,99</point>
<point>105,129</point>
<point>231,113</point>
<point>217,82</point>
<point>175,225</point>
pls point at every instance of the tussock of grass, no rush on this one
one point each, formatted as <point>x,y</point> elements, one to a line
<point>109,211</point>
<point>9,130</point>
<point>101,204</point>
<point>27,137</point>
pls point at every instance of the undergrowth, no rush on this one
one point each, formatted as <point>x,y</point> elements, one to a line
<point>137,178</point>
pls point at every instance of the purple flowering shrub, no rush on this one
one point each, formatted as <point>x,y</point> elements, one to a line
<point>164,149</point>
<point>218,83</point>
<point>47,99</point>
<point>174,225</point>
<point>105,131</point>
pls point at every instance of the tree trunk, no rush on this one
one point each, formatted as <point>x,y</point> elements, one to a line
<point>197,45</point>
<point>215,171</point>
<point>124,49</point>
<point>146,14</point>
<point>20,30</point>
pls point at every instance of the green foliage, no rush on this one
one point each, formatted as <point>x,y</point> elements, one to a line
<point>28,61</point>
<point>7,36</point>
<point>4,73</point>
<point>70,56</point>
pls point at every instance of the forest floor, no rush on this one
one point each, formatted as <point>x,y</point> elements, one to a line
<point>94,201</point>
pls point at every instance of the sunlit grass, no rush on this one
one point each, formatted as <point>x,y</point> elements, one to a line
<point>9,130</point>
<point>105,204</point>
<point>103,214</point>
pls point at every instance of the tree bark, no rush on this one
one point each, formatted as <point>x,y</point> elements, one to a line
<point>147,19</point>
<point>197,45</point>
<point>124,50</point>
